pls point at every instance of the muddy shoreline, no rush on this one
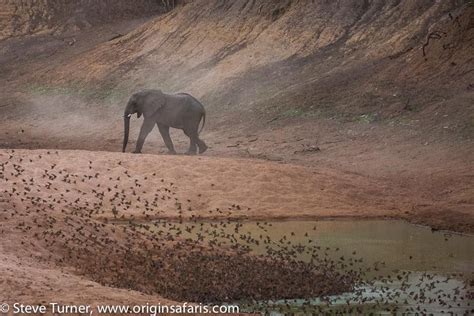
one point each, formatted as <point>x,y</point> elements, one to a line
<point>309,218</point>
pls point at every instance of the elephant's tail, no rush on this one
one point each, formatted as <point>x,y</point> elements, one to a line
<point>203,122</point>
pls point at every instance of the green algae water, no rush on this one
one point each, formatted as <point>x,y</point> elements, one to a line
<point>406,268</point>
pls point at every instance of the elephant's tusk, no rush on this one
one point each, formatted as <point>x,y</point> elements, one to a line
<point>128,115</point>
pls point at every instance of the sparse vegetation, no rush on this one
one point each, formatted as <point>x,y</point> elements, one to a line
<point>367,118</point>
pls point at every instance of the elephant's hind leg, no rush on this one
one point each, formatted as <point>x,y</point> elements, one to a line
<point>195,140</point>
<point>199,142</point>
<point>192,142</point>
<point>202,145</point>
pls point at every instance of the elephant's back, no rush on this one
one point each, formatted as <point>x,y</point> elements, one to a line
<point>196,104</point>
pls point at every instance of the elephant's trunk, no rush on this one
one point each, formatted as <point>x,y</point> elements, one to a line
<point>126,125</point>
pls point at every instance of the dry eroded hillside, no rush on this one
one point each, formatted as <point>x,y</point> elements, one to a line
<point>382,89</point>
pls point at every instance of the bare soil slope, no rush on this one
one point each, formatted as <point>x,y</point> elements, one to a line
<point>59,17</point>
<point>381,90</point>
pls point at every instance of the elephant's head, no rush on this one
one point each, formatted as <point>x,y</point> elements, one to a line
<point>147,102</point>
<point>133,107</point>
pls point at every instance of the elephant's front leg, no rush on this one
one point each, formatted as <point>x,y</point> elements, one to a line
<point>147,126</point>
<point>165,133</point>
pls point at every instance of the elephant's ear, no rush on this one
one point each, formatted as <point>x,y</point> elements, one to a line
<point>154,101</point>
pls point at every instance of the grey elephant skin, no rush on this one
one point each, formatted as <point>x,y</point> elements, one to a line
<point>180,110</point>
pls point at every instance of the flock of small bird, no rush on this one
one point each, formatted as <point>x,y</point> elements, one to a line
<point>111,226</point>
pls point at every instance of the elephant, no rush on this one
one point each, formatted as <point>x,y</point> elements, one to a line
<point>180,110</point>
